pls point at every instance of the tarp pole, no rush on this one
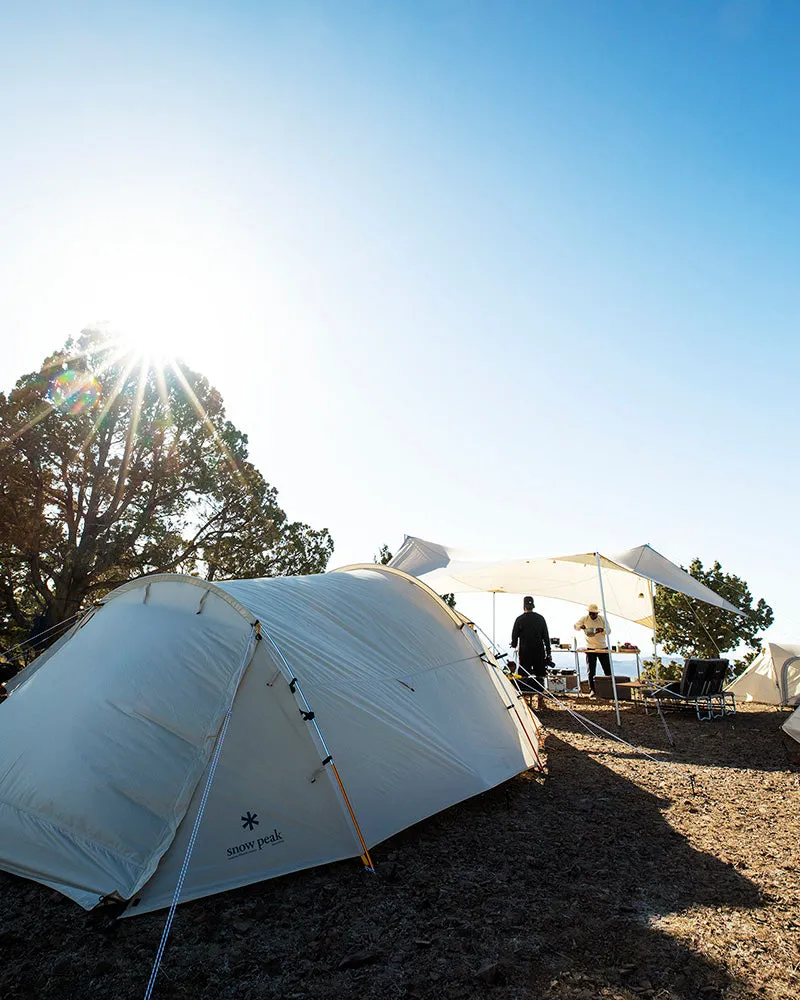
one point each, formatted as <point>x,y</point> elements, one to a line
<point>655,641</point>
<point>608,644</point>
<point>494,643</point>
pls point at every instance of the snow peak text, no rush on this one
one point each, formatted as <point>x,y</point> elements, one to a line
<point>251,846</point>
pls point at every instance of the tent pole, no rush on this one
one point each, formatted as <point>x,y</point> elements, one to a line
<point>494,643</point>
<point>608,644</point>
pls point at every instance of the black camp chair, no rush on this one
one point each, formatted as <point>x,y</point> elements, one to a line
<point>700,687</point>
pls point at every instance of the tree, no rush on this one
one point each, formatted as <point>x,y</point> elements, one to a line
<point>114,468</point>
<point>690,627</point>
<point>384,556</point>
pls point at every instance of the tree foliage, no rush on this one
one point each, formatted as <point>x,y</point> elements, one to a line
<point>661,671</point>
<point>384,556</point>
<point>114,468</point>
<point>690,627</point>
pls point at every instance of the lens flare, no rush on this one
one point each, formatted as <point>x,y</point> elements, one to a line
<point>74,392</point>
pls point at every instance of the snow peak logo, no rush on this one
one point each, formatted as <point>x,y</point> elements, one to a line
<point>250,822</point>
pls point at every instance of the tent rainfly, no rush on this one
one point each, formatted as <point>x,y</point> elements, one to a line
<point>353,704</point>
<point>773,678</point>
<point>626,577</point>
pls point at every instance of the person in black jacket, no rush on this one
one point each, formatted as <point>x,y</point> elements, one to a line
<point>530,631</point>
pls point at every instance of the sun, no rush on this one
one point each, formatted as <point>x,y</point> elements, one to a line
<point>166,307</point>
<point>159,334</point>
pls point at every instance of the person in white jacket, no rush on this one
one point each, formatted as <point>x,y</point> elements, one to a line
<point>594,626</point>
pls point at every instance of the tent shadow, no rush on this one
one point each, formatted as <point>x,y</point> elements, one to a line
<point>543,887</point>
<point>611,868</point>
<point>557,887</point>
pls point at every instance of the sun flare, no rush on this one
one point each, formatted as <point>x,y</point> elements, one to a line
<point>161,335</point>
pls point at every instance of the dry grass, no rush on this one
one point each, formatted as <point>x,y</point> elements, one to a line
<point>609,877</point>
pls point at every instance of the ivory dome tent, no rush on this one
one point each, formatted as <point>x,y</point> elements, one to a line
<point>353,704</point>
<point>773,678</point>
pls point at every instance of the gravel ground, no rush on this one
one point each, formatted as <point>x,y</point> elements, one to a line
<point>613,875</point>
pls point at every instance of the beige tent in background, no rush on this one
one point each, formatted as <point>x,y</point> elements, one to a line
<point>792,725</point>
<point>773,678</point>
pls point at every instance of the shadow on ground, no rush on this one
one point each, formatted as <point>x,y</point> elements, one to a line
<point>540,888</point>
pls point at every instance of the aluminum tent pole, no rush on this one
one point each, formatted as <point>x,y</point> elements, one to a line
<point>608,644</point>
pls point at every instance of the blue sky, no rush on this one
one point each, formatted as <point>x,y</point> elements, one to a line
<point>513,276</point>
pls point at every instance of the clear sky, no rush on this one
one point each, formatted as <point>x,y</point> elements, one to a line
<point>514,276</point>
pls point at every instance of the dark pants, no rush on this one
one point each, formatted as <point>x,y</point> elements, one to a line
<point>533,675</point>
<point>591,664</point>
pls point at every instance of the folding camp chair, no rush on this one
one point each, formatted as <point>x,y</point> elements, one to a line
<point>700,687</point>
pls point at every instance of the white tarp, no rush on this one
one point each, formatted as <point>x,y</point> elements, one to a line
<point>574,578</point>
<point>773,678</point>
<point>106,747</point>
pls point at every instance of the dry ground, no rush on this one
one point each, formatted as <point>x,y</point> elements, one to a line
<point>608,877</point>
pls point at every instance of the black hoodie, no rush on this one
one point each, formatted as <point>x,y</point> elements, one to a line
<point>530,629</point>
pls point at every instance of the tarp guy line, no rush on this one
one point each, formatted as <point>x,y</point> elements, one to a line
<point>58,625</point>
<point>513,707</point>
<point>586,722</point>
<point>498,670</point>
<point>700,623</point>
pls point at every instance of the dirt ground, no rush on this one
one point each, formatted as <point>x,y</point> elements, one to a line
<point>609,876</point>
